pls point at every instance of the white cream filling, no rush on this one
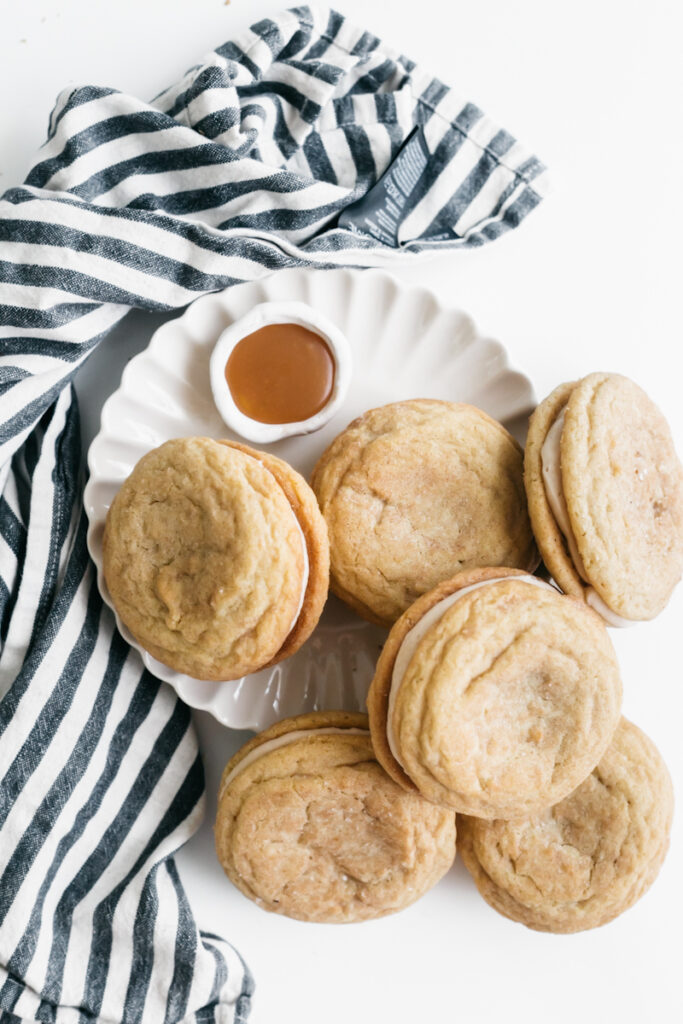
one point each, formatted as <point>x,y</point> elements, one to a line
<point>304,578</point>
<point>551,472</point>
<point>610,617</point>
<point>283,741</point>
<point>415,635</point>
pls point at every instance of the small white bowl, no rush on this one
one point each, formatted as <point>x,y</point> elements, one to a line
<point>261,316</point>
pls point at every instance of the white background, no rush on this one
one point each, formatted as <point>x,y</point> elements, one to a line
<point>590,282</point>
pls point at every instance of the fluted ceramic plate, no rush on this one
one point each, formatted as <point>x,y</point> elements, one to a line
<point>405,344</point>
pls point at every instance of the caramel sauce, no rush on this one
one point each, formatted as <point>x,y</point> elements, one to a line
<point>282,373</point>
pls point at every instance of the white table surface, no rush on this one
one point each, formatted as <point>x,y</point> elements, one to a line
<point>591,281</point>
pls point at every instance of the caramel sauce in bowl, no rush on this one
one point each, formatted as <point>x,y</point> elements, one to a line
<point>281,369</point>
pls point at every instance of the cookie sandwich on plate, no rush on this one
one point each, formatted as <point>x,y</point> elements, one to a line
<point>216,558</point>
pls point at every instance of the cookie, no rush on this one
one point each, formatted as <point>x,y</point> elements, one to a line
<point>215,557</point>
<point>310,826</point>
<point>605,491</point>
<point>494,695</point>
<point>589,858</point>
<point>305,507</point>
<point>414,492</point>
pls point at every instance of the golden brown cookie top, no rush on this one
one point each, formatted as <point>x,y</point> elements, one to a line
<point>380,688</point>
<point>310,721</point>
<point>583,862</point>
<point>413,492</point>
<point>622,485</point>
<point>314,829</point>
<point>204,559</point>
<point>507,702</point>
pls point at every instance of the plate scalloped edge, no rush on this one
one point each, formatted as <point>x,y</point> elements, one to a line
<point>165,392</point>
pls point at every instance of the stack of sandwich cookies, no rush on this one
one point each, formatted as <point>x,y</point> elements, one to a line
<point>215,558</point>
<point>494,695</point>
<point>414,492</point>
<point>310,826</point>
<point>605,491</point>
<point>583,862</point>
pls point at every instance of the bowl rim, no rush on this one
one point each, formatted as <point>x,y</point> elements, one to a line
<point>262,315</point>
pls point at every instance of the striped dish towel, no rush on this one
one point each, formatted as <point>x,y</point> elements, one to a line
<point>304,142</point>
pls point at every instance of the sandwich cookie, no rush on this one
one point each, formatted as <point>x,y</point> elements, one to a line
<point>310,826</point>
<point>216,558</point>
<point>583,862</point>
<point>605,490</point>
<point>494,695</point>
<point>412,493</point>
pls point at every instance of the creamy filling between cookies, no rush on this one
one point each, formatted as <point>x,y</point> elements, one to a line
<point>304,575</point>
<point>551,472</point>
<point>415,635</point>
<point>283,741</point>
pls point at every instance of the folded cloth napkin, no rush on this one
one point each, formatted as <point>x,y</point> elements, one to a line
<point>268,154</point>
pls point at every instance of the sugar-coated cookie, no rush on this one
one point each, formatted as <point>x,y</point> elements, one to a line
<point>310,826</point>
<point>412,493</point>
<point>584,861</point>
<point>605,490</point>
<point>494,694</point>
<point>215,557</point>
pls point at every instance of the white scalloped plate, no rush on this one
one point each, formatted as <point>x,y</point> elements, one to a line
<point>404,345</point>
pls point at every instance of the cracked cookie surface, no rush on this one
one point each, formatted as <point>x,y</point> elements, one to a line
<point>204,559</point>
<point>507,703</point>
<point>314,829</point>
<point>589,858</point>
<point>415,491</point>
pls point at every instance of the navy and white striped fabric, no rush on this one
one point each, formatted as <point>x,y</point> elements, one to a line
<point>241,168</point>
